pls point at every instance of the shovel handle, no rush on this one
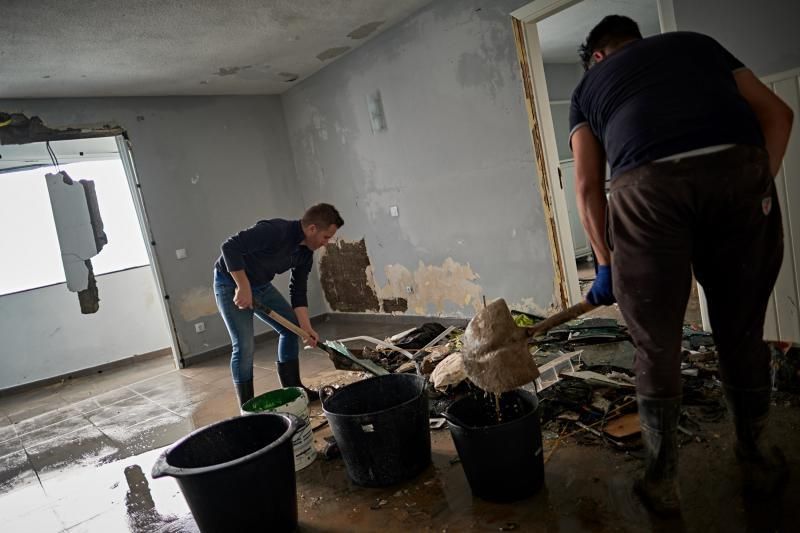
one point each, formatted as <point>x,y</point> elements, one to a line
<point>559,318</point>
<point>282,321</point>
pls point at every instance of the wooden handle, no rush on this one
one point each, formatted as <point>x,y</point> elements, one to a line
<point>282,321</point>
<point>559,318</point>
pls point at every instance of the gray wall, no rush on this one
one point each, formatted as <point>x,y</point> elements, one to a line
<point>456,159</point>
<point>762,34</point>
<point>561,79</point>
<point>208,166</point>
<point>45,335</point>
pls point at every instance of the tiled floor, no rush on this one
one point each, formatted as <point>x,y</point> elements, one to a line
<point>64,447</point>
<point>76,456</point>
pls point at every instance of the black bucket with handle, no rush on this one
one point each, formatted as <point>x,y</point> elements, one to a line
<point>381,426</point>
<point>238,474</point>
<point>502,461</point>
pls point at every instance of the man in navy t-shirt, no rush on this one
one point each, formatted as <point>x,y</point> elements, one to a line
<point>693,140</point>
<point>243,277</point>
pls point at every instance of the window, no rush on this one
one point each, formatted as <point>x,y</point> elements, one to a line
<point>31,255</point>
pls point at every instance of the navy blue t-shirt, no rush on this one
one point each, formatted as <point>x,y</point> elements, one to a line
<point>661,96</point>
<point>270,247</point>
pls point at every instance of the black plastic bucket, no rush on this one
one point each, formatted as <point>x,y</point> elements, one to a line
<point>382,429</point>
<point>503,462</point>
<point>238,474</point>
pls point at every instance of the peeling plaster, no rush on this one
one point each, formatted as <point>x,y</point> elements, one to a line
<point>196,303</point>
<point>431,285</point>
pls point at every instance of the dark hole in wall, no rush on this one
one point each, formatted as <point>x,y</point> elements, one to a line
<point>19,129</point>
<point>343,273</point>
<point>394,305</point>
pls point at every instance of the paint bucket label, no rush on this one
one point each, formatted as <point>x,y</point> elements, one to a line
<point>292,400</point>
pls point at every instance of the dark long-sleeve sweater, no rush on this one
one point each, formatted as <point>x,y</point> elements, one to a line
<point>268,248</point>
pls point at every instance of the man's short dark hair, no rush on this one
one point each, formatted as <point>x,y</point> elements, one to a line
<point>611,31</point>
<point>322,216</point>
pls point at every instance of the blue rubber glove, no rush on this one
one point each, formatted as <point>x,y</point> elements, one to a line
<point>601,292</point>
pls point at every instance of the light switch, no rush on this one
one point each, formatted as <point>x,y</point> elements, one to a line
<point>393,211</point>
<point>180,253</point>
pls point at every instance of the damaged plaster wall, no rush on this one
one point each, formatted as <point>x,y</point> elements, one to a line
<point>455,158</point>
<point>208,167</point>
<point>762,35</point>
<point>45,335</point>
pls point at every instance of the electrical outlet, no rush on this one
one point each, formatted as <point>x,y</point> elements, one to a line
<point>180,253</point>
<point>199,327</point>
<point>393,211</point>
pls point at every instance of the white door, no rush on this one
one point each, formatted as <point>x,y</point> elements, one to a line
<point>580,240</point>
<point>783,316</point>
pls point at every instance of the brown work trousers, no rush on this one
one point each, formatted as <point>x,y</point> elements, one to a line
<point>716,214</point>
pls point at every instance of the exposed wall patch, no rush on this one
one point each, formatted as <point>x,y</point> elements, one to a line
<point>330,53</point>
<point>349,284</point>
<point>433,285</point>
<point>365,30</point>
<point>343,274</point>
<point>394,305</point>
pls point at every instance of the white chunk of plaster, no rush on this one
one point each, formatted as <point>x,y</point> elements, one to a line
<point>74,229</point>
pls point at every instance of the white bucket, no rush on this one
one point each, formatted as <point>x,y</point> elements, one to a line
<point>292,400</point>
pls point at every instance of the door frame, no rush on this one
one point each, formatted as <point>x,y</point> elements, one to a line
<point>543,137</point>
<point>126,156</point>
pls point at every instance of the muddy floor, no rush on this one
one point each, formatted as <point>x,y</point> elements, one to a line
<point>76,457</point>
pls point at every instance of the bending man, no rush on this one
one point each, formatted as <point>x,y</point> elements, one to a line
<point>243,275</point>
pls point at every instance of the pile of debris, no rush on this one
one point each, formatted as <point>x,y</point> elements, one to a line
<point>586,384</point>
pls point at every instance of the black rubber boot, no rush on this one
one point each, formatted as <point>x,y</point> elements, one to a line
<point>658,488</point>
<point>244,392</point>
<point>763,466</point>
<point>289,374</point>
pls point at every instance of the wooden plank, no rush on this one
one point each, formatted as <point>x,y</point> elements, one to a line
<point>623,426</point>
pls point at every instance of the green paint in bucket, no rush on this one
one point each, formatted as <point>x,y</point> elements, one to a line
<point>272,400</point>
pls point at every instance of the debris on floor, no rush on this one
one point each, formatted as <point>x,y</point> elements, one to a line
<point>586,384</point>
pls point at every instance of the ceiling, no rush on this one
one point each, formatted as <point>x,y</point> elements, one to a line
<point>55,48</point>
<point>561,34</point>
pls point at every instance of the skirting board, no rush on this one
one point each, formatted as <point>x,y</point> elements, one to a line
<point>164,352</point>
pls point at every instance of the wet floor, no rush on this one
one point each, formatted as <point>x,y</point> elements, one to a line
<point>76,457</point>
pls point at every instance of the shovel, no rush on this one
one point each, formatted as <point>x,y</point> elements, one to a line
<point>495,350</point>
<point>327,346</point>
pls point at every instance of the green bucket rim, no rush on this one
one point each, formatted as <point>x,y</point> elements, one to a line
<point>269,401</point>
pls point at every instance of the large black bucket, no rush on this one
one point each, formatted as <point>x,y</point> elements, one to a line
<point>382,429</point>
<point>238,474</point>
<point>503,462</point>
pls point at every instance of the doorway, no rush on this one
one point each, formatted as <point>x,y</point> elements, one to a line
<point>548,33</point>
<point>47,332</point>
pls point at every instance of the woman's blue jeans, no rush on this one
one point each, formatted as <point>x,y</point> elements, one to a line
<point>240,325</point>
